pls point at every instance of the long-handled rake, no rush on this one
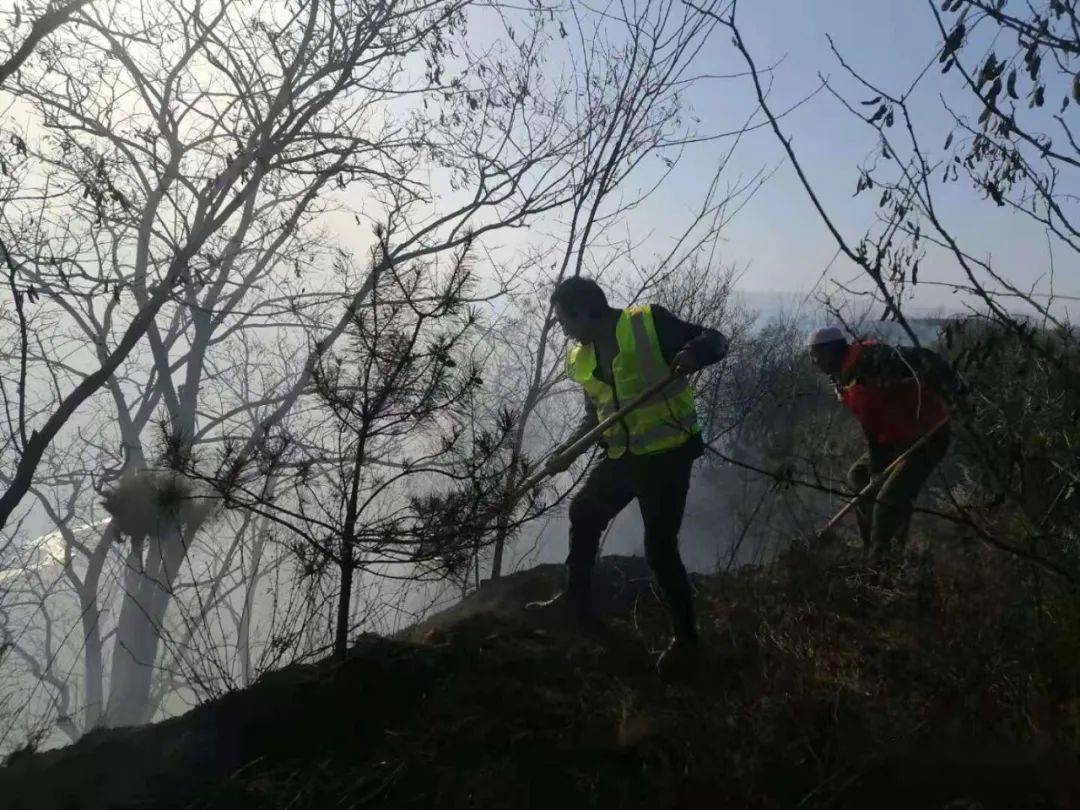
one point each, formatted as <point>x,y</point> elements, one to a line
<point>507,503</point>
<point>876,480</point>
<point>595,433</point>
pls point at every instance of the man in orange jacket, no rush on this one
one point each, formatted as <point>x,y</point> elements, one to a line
<point>898,394</point>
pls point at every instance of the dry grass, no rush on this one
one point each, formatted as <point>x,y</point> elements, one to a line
<point>825,683</point>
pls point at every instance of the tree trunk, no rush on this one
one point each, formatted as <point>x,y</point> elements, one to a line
<point>502,524</point>
<point>147,593</point>
<point>502,532</point>
<point>94,674</point>
<point>243,630</point>
<point>341,637</point>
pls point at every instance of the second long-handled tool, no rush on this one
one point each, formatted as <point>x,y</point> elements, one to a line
<point>875,481</point>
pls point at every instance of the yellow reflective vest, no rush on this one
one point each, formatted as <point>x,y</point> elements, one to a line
<point>664,422</point>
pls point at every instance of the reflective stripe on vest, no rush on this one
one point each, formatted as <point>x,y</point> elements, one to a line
<point>667,419</point>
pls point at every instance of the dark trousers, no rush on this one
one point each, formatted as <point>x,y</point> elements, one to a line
<point>884,513</point>
<point>659,483</point>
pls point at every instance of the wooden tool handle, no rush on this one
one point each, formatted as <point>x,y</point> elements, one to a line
<point>877,479</point>
<point>596,432</point>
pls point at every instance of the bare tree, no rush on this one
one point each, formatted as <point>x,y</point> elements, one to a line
<point>168,211</point>
<point>383,421</point>
<point>42,22</point>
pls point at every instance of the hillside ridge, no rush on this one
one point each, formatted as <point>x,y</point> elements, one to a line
<point>485,705</point>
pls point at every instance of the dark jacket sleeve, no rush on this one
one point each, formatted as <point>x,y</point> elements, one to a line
<point>884,364</point>
<point>708,345</point>
<point>940,374</point>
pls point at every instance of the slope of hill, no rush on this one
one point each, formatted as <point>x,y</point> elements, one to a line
<point>824,684</point>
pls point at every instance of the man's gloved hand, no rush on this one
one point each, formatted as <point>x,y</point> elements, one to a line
<point>685,362</point>
<point>557,463</point>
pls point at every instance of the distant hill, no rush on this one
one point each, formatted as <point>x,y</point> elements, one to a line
<point>926,321</point>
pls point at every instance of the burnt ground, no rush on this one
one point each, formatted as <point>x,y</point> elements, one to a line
<point>824,683</point>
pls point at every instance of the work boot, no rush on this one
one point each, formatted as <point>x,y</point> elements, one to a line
<point>680,660</point>
<point>575,599</point>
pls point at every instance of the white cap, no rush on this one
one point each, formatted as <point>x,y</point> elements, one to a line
<point>827,334</point>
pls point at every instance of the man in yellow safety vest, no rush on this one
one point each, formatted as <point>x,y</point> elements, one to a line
<point>618,354</point>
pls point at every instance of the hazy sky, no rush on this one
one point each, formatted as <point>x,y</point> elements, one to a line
<point>779,236</point>
<point>778,239</point>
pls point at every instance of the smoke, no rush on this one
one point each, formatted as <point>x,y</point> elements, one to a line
<point>708,540</point>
